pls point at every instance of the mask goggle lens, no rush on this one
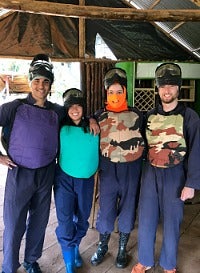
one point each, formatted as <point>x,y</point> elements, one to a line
<point>72,93</point>
<point>41,64</point>
<point>172,69</point>
<point>111,73</point>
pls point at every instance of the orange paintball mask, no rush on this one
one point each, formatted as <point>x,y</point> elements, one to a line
<point>117,102</point>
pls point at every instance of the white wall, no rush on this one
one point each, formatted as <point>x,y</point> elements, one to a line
<point>147,70</point>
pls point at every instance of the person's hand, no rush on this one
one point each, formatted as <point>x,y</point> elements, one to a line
<point>6,161</point>
<point>94,127</point>
<point>187,193</point>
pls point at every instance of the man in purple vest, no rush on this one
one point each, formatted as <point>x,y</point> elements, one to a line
<point>31,126</point>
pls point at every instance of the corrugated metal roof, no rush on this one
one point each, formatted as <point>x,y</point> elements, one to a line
<point>187,34</point>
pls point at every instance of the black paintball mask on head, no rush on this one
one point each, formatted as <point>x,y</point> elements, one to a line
<point>41,66</point>
<point>168,74</point>
<point>115,75</point>
<point>73,96</point>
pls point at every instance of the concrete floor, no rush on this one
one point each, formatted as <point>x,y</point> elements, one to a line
<point>51,260</point>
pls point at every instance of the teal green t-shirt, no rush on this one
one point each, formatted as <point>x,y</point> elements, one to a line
<point>79,152</point>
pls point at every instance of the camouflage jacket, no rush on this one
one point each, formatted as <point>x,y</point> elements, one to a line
<point>120,138</point>
<point>166,134</point>
<point>166,142</point>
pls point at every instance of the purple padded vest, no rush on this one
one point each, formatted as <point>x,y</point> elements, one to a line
<point>33,140</point>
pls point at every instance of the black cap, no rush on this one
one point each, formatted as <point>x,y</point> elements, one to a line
<point>41,66</point>
<point>168,74</point>
<point>115,75</point>
<point>73,96</point>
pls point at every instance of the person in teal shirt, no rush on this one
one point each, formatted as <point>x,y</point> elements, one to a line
<point>74,180</point>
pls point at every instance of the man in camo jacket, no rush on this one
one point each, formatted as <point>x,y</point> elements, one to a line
<point>171,173</point>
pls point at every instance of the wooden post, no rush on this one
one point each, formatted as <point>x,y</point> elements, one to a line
<point>82,33</point>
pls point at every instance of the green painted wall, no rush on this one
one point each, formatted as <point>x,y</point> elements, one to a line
<point>129,67</point>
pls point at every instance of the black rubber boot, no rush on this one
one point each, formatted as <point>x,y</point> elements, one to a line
<point>122,259</point>
<point>102,249</point>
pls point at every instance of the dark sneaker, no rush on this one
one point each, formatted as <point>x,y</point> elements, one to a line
<point>32,267</point>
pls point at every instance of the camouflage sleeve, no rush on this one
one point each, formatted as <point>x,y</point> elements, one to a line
<point>142,126</point>
<point>98,113</point>
<point>141,117</point>
<point>192,135</point>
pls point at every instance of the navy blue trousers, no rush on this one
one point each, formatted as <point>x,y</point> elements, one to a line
<point>118,195</point>
<point>73,200</point>
<point>26,209</point>
<point>160,200</point>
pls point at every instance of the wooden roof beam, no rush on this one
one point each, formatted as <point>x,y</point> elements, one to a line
<point>104,13</point>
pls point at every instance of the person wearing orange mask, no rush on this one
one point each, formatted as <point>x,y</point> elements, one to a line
<point>121,151</point>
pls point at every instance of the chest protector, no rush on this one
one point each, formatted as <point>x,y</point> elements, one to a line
<point>79,152</point>
<point>33,140</point>
<point>167,146</point>
<point>121,140</point>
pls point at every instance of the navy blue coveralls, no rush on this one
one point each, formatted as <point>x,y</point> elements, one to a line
<point>160,194</point>
<point>27,193</point>
<point>73,199</point>
<point>118,195</point>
